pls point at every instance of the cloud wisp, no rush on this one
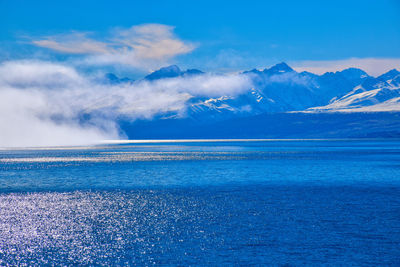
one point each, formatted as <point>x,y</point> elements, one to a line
<point>73,43</point>
<point>143,46</point>
<point>47,104</point>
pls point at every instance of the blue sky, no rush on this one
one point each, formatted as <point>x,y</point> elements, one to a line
<point>217,35</point>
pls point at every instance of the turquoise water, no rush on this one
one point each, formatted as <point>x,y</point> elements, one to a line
<point>202,203</point>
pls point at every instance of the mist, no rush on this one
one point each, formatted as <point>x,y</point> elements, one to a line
<point>50,104</point>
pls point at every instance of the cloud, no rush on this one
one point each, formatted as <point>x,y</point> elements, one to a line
<point>154,41</point>
<point>44,103</point>
<point>373,66</point>
<point>142,46</point>
<point>73,43</point>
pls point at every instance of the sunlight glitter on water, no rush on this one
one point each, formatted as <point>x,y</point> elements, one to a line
<point>232,203</point>
<point>144,156</point>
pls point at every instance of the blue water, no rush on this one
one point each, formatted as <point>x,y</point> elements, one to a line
<point>277,203</point>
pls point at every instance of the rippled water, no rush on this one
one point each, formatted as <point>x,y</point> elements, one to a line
<point>202,203</point>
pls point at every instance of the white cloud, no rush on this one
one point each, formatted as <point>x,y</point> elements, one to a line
<point>154,41</point>
<point>73,43</point>
<point>42,103</point>
<point>373,66</point>
<point>142,46</point>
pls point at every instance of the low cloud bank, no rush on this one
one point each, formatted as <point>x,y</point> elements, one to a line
<point>48,104</point>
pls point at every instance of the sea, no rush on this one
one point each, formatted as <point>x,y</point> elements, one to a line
<point>202,203</point>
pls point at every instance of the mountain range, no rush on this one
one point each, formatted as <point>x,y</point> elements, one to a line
<point>319,104</point>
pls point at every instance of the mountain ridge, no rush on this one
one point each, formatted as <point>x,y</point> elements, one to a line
<point>282,103</point>
<point>282,89</point>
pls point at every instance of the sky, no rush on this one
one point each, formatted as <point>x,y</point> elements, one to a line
<point>218,36</point>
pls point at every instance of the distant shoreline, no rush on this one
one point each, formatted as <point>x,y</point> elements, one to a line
<point>141,141</point>
<point>96,145</point>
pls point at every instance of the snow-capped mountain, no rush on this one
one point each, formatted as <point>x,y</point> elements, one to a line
<point>389,76</point>
<point>282,103</point>
<point>372,95</point>
<point>171,72</point>
<point>281,89</point>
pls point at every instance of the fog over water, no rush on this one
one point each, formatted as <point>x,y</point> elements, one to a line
<point>43,103</point>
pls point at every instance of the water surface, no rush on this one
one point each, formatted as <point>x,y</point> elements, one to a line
<point>302,202</point>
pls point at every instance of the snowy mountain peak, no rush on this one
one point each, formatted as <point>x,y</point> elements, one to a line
<point>165,72</point>
<point>254,71</point>
<point>278,68</point>
<point>391,74</point>
<point>171,72</point>
<point>353,73</point>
